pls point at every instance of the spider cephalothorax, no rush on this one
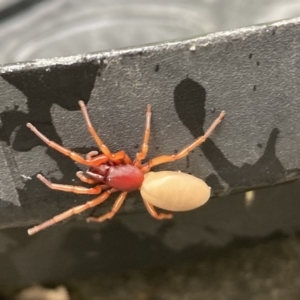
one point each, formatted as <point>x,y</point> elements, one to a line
<point>112,172</point>
<point>125,178</point>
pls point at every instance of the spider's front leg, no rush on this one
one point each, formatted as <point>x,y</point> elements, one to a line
<point>144,149</point>
<point>75,156</point>
<point>84,178</point>
<point>121,155</point>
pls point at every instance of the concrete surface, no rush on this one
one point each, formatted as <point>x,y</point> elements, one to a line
<point>252,73</point>
<point>266,271</point>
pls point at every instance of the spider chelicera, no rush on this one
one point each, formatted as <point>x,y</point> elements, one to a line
<point>111,172</point>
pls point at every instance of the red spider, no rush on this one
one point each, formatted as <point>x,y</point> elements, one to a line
<point>111,172</point>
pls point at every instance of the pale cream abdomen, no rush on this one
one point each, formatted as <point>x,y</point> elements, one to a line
<point>174,191</point>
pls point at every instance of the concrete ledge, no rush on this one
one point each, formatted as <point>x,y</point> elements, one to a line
<point>252,73</point>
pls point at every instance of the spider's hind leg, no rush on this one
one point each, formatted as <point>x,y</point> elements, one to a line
<point>75,210</point>
<point>113,211</point>
<point>159,216</point>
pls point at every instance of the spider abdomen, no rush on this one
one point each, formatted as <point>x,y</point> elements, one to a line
<point>174,191</point>
<point>124,178</point>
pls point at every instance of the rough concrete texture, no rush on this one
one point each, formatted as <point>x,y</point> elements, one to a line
<point>135,241</point>
<point>250,73</point>
<point>266,271</point>
<point>270,270</point>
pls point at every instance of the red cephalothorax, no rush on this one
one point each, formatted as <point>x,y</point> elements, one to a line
<point>125,178</point>
<point>112,172</point>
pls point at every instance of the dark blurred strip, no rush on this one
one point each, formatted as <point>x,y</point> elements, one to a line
<point>17,7</point>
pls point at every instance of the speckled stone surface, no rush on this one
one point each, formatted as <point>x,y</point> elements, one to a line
<point>250,73</point>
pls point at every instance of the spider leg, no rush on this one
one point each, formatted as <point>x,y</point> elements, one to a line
<point>76,157</point>
<point>91,154</point>
<point>104,149</point>
<point>141,155</point>
<point>160,216</point>
<point>113,211</point>
<point>185,151</point>
<point>121,155</point>
<point>75,210</point>
<point>84,178</point>
<point>70,188</point>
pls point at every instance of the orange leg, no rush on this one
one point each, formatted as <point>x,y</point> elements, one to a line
<point>70,188</point>
<point>93,132</point>
<point>104,149</point>
<point>110,214</point>
<point>97,160</point>
<point>75,210</point>
<point>91,154</point>
<point>121,155</point>
<point>155,214</point>
<point>100,159</point>
<point>185,151</point>
<point>85,179</point>
<point>76,157</point>
<point>141,155</point>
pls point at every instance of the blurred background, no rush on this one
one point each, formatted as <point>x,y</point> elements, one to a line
<point>33,29</point>
<point>256,260</point>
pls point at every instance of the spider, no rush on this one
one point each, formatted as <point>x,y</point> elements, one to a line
<point>111,172</point>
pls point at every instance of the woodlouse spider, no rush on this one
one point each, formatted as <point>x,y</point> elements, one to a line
<point>111,172</point>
